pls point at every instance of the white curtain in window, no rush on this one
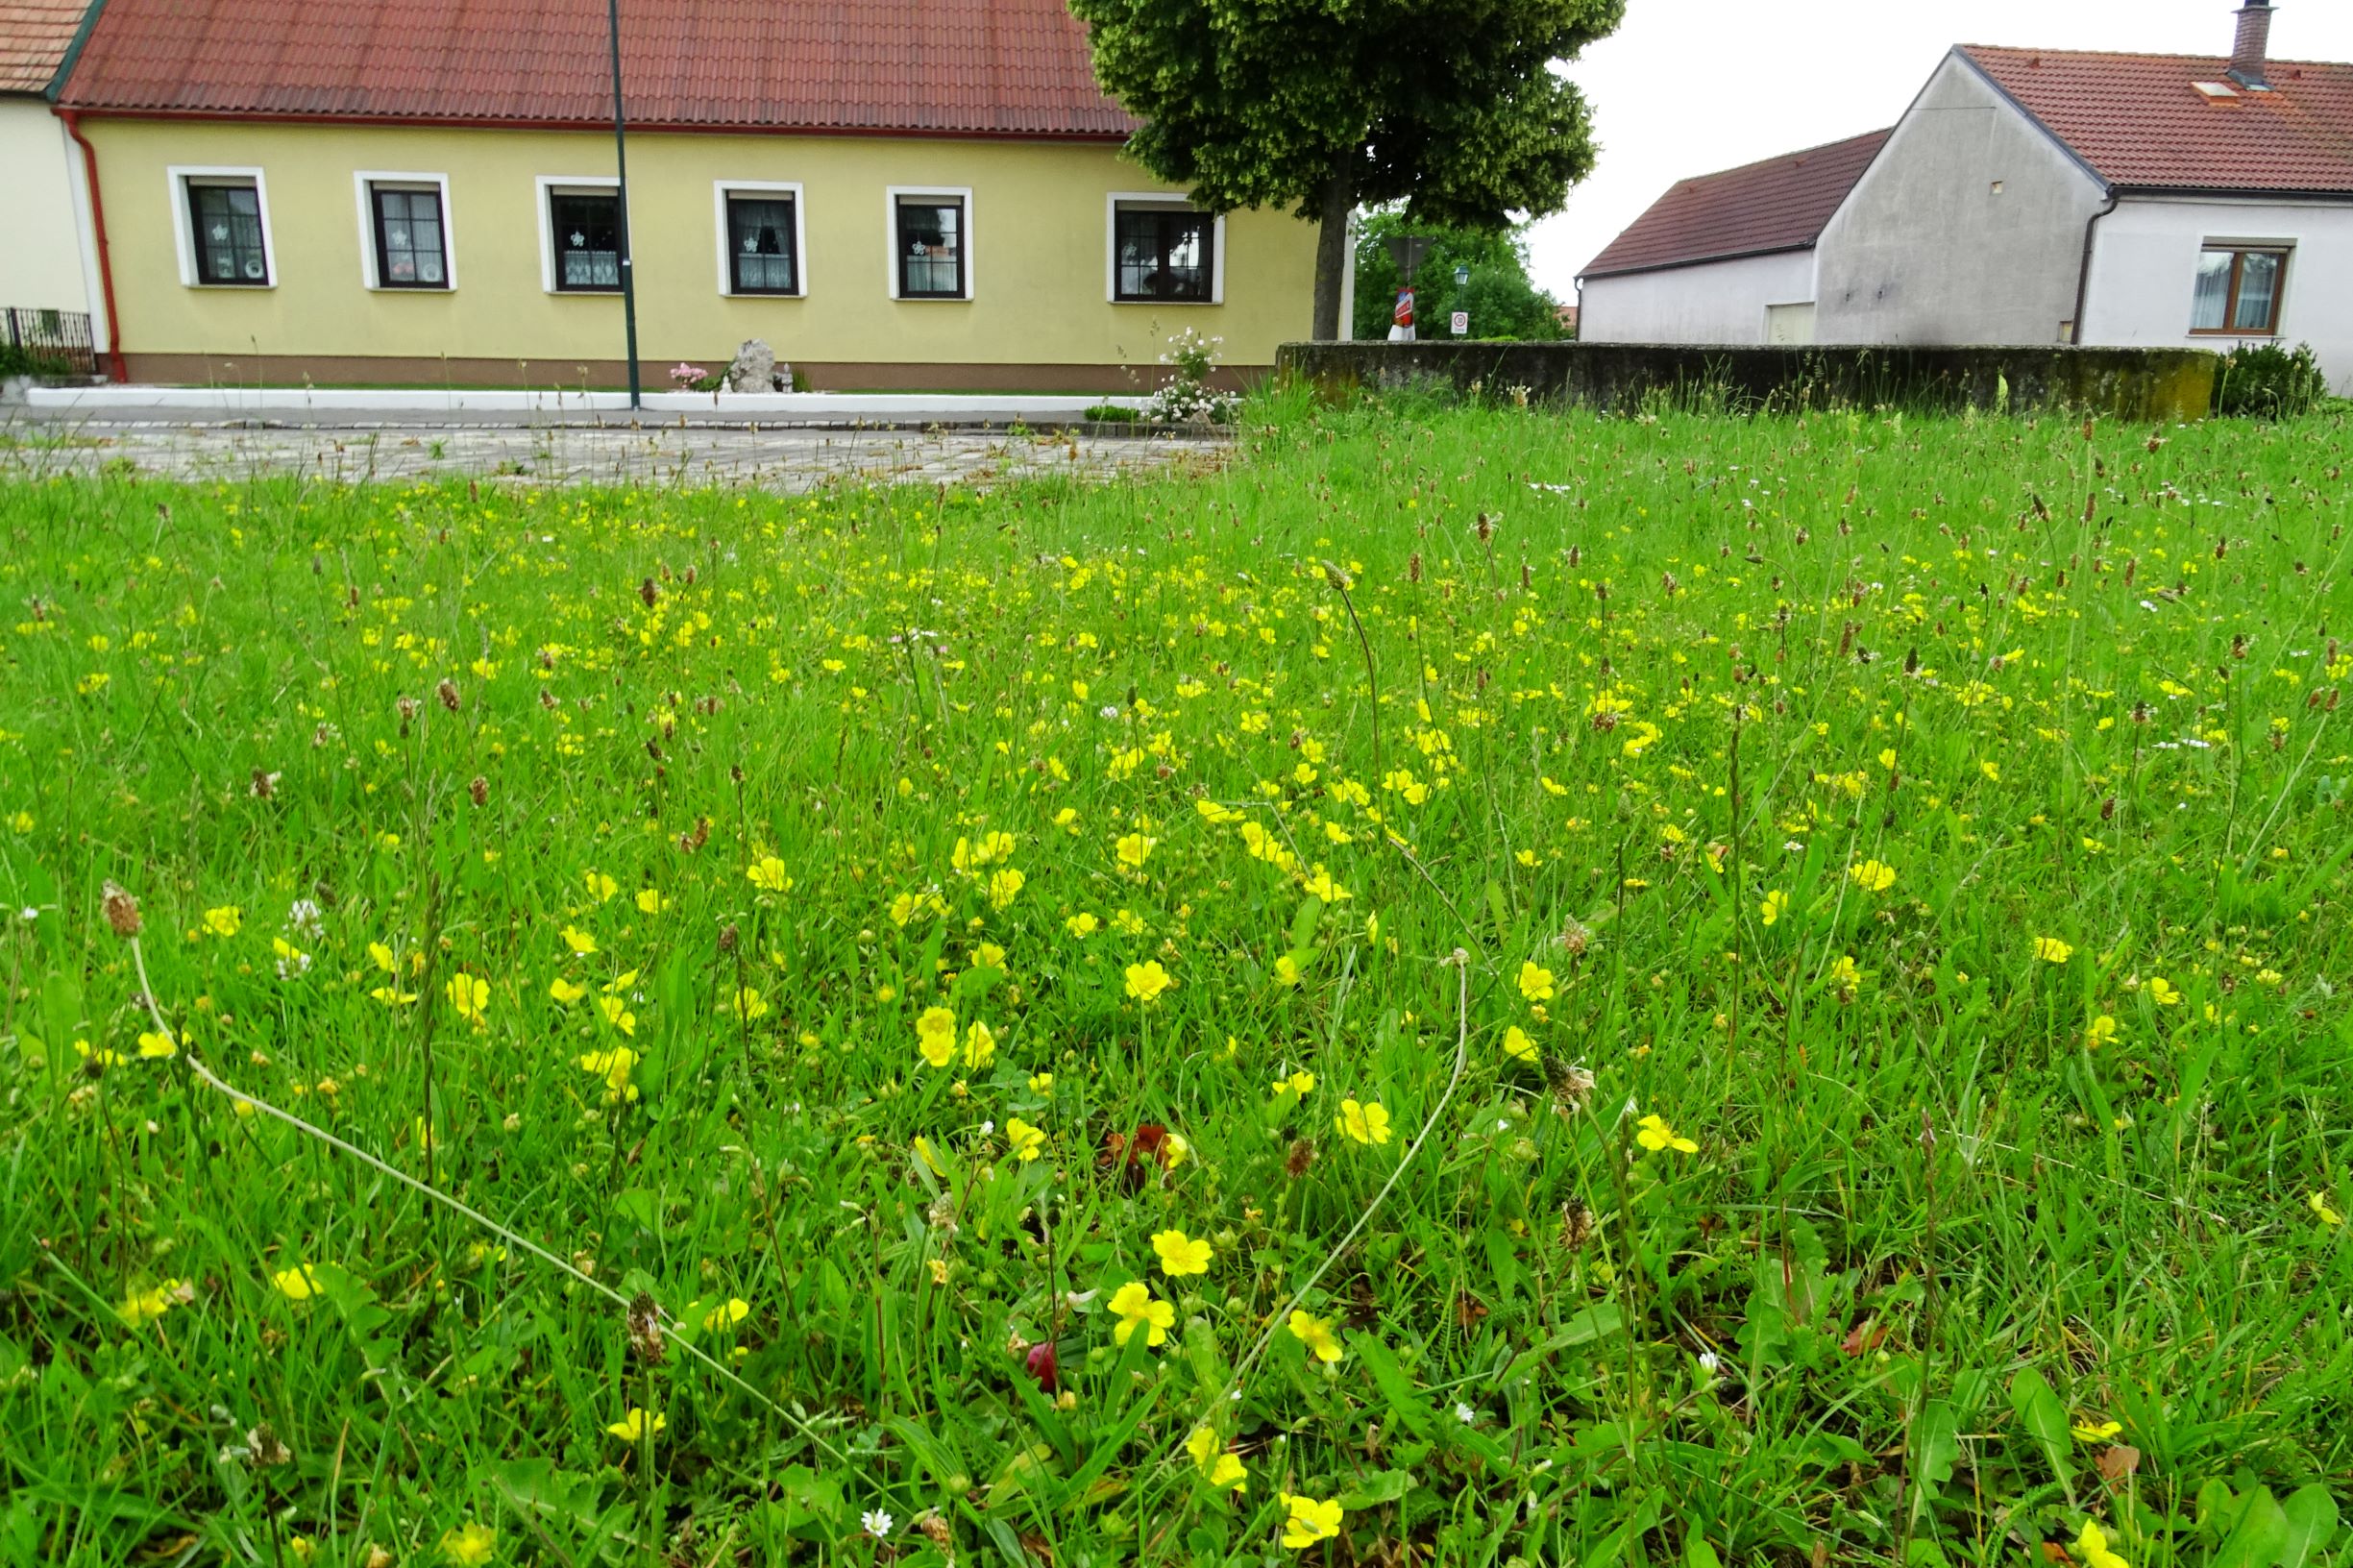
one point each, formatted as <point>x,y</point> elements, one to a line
<point>2258,291</point>
<point>2213,295</point>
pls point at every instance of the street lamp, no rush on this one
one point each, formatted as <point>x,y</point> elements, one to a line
<point>1461,317</point>
<point>1463,274</point>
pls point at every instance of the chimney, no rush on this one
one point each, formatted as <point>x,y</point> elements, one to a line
<point>2254,41</point>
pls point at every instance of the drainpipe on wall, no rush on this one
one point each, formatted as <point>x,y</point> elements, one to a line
<point>98,226</point>
<point>2083,279</point>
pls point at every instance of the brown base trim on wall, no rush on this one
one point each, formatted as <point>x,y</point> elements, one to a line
<point>278,370</point>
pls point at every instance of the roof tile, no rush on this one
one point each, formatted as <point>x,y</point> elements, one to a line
<point>1779,205</point>
<point>33,37</point>
<point>947,67</point>
<point>2138,121</point>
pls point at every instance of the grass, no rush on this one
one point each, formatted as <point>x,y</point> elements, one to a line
<point>1804,1024</point>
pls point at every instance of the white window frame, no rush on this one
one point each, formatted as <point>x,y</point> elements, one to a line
<point>544,186</point>
<point>363,187</point>
<point>1111,248</point>
<point>721,189</point>
<point>181,176</point>
<point>890,243</point>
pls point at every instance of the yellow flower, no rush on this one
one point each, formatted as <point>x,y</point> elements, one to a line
<point>1519,1047</point>
<point>469,995</point>
<point>146,1306</point>
<point>1316,1332</point>
<point>2099,1031</point>
<point>470,1547</point>
<point>1844,974</point>
<point>1308,1521</point>
<point>613,1066</point>
<point>224,920</point>
<point>987,956</point>
<point>578,941</point>
<point>2097,1431</point>
<point>726,1315</point>
<point>1286,971</point>
<point>1656,1134</point>
<point>749,1004</point>
<point>565,991</point>
<point>1023,1139</point>
<point>1135,848</point>
<point>1082,925</point>
<point>1218,1467</point>
<point>2092,1547</point>
<point>1135,1304</point>
<point>381,957</point>
<point>1174,1151</point>
<point>2051,951</point>
<point>600,887</point>
<point>296,1284</point>
<point>1535,982</point>
<point>1301,1083</point>
<point>1041,1083</point>
<point>1775,906</point>
<point>1228,1472</point>
<point>2319,1206</point>
<point>650,902</point>
<point>636,1425</point>
<point>1004,887</point>
<point>100,1056</point>
<point>935,1036</point>
<point>616,1011</point>
<point>979,1046</point>
<point>1180,1253</point>
<point>154,1047</point>
<point>2163,991</point>
<point>767,875</point>
<point>1146,981</point>
<point>1365,1123</point>
<point>1873,875</point>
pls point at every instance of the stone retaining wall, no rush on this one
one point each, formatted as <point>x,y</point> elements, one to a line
<point>2140,384</point>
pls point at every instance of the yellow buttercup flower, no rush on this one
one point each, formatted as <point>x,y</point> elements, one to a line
<point>979,1046</point>
<point>600,887</point>
<point>1873,875</point>
<point>469,995</point>
<point>650,902</point>
<point>1180,1253</point>
<point>565,990</point>
<point>1316,1332</point>
<point>2320,1207</point>
<point>1308,1521</point>
<point>1138,1307</point>
<point>578,941</point>
<point>1147,981</point>
<point>767,873</point>
<point>2095,1432</point>
<point>225,920</point>
<point>637,1425</point>
<point>1775,906</point>
<point>1367,1123</point>
<point>2051,951</point>
<point>1135,848</point>
<point>935,1036</point>
<point>1535,982</point>
<point>1301,1083</point>
<point>1221,1468</point>
<point>1005,885</point>
<point>1519,1047</point>
<point>470,1547</point>
<point>2162,993</point>
<point>296,1284</point>
<point>2092,1547</point>
<point>1023,1139</point>
<point>726,1315</point>
<point>2099,1031</point>
<point>155,1047</point>
<point>1654,1133</point>
<point>1082,925</point>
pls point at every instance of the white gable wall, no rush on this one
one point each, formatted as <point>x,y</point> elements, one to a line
<point>2145,263</point>
<point>1716,302</point>
<point>1925,250</point>
<point>40,265</point>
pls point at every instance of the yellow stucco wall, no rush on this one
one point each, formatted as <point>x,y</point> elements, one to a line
<point>41,263</point>
<point>1038,252</point>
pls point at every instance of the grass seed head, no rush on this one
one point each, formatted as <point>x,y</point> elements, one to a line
<point>122,912</point>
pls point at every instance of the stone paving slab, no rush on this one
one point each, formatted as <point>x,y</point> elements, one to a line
<point>688,455</point>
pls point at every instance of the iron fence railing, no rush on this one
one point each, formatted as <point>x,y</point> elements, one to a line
<point>43,342</point>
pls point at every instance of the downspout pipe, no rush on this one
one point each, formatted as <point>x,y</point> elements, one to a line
<point>98,227</point>
<point>2083,279</point>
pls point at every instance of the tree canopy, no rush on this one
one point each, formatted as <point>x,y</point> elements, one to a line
<point>1450,107</point>
<point>1500,296</point>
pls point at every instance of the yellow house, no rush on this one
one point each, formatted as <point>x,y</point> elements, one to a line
<point>892,194</point>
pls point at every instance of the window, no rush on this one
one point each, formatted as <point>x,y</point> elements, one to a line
<point>1162,252</point>
<point>410,231</point>
<point>933,256</point>
<point>585,229</point>
<point>2238,291</point>
<point>225,223</point>
<point>763,239</point>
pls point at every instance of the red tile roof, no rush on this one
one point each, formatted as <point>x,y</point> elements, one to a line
<point>34,36</point>
<point>1779,205</point>
<point>2138,121</point>
<point>940,67</point>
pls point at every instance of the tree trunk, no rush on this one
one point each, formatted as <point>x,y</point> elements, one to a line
<point>1331,248</point>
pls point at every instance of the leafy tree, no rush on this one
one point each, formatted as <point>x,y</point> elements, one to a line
<point>1502,301</point>
<point>1449,106</point>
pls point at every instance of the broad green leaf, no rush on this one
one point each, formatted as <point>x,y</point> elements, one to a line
<point>2259,1537</point>
<point>2044,1418</point>
<point>2312,1522</point>
<point>1379,1488</point>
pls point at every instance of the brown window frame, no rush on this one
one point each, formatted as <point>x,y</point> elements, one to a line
<point>2238,255</point>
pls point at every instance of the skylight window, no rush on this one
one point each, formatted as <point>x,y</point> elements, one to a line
<point>2216,91</point>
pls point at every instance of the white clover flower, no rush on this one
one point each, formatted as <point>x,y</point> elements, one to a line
<point>876,1522</point>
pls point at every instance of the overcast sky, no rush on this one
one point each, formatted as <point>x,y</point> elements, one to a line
<point>1688,86</point>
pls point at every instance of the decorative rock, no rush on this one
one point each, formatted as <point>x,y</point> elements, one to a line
<point>754,369</point>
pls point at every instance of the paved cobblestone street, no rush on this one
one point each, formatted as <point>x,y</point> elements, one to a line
<point>683,454</point>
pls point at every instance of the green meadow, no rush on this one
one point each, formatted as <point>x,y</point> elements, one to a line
<point>1478,987</point>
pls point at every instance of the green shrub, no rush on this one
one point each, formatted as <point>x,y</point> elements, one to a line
<point>2264,381</point>
<point>1110,413</point>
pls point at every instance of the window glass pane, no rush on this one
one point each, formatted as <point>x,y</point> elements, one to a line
<point>228,234</point>
<point>587,241</point>
<point>931,247</point>
<point>1164,254</point>
<point>2212,297</point>
<point>760,242</point>
<point>408,240</point>
<point>2258,291</point>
